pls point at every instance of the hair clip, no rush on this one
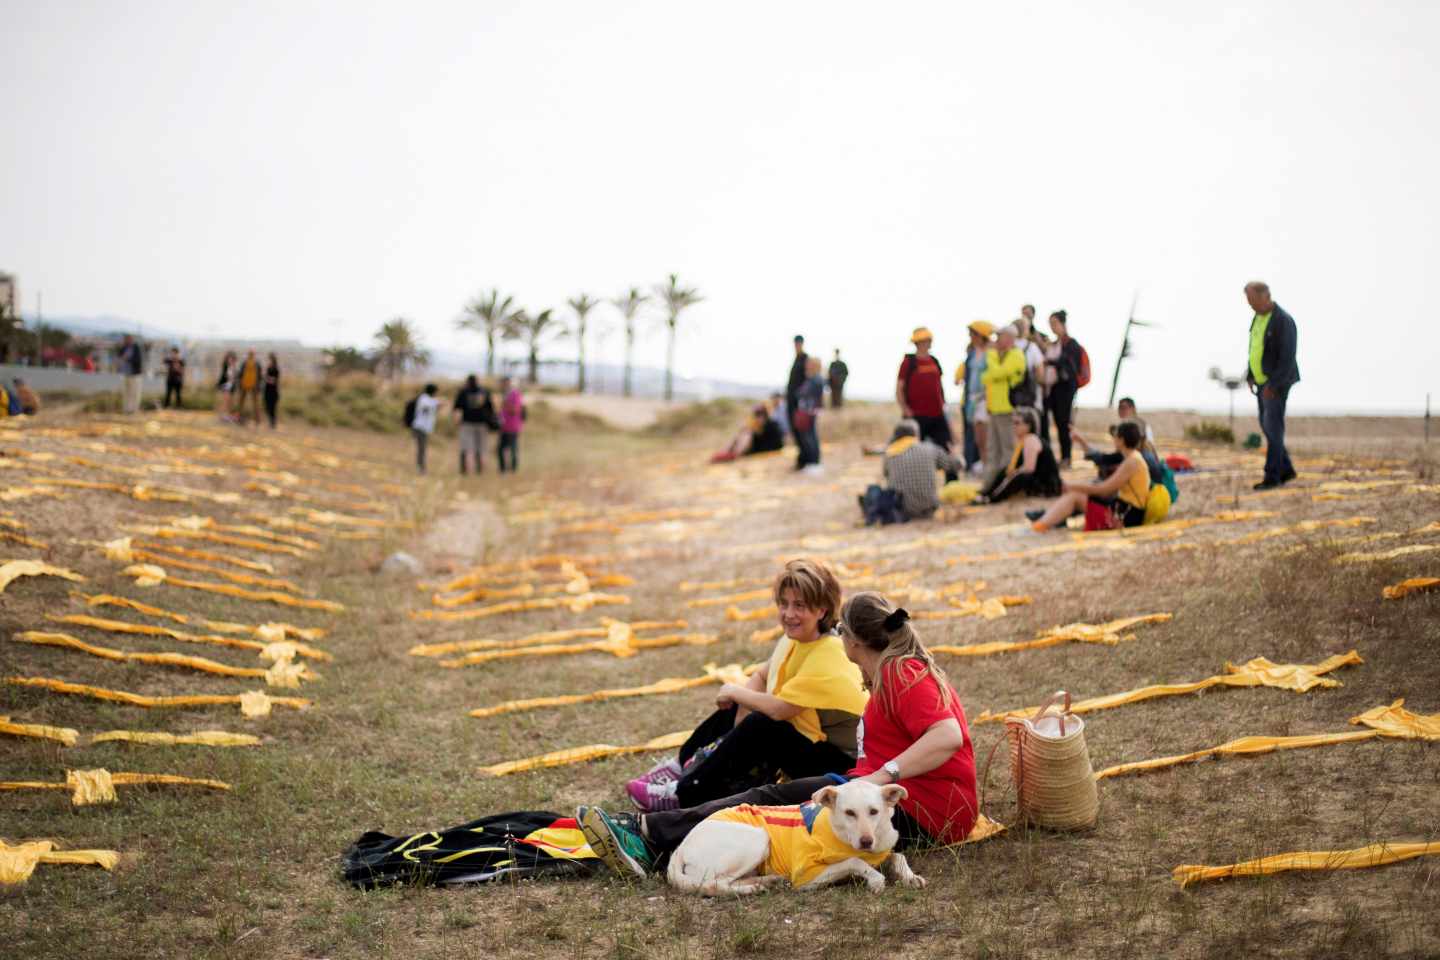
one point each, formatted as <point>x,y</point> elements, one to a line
<point>897,619</point>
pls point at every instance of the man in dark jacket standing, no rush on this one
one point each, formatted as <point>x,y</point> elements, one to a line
<point>1271,371</point>
<point>797,379</point>
<point>839,373</point>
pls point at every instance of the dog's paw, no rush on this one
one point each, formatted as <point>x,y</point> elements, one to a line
<point>914,881</point>
<point>875,882</point>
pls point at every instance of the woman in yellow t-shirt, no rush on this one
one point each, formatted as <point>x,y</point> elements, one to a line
<point>796,715</point>
<point>1118,500</point>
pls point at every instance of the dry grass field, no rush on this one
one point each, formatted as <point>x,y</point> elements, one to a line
<point>388,743</point>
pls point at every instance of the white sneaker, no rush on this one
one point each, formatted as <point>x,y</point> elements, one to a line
<point>977,469</point>
<point>814,469</point>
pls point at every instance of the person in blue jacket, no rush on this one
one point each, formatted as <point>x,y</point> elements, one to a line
<point>1271,372</point>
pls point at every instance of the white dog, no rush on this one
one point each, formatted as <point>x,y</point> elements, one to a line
<point>842,832</point>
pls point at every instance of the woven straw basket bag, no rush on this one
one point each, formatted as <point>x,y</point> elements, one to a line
<point>1050,766</point>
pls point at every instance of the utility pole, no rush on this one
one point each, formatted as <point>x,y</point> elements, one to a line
<point>1125,347</point>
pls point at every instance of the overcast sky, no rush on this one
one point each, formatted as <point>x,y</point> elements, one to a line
<point>843,170</point>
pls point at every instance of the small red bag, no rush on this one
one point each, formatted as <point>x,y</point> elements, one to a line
<point>1098,516</point>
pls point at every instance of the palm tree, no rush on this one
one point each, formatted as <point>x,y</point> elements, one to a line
<point>397,348</point>
<point>629,304</point>
<point>346,360</point>
<point>488,314</point>
<point>582,305</point>
<point>533,329</point>
<point>676,298</point>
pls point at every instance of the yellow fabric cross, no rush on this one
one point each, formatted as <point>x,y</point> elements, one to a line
<point>1107,633</point>
<point>19,861</point>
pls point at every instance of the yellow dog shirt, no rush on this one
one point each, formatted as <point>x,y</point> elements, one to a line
<point>802,842</point>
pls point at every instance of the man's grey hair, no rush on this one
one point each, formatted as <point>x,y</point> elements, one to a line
<point>906,428</point>
<point>1259,286</point>
<point>1009,328</point>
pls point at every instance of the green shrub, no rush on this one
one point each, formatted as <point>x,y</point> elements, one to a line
<point>724,412</point>
<point>1207,432</point>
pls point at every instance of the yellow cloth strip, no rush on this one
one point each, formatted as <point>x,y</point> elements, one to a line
<point>152,630</point>
<point>40,731</point>
<point>991,608</point>
<point>1406,551</point>
<point>281,674</point>
<point>122,551</point>
<point>691,586</point>
<point>12,494</point>
<point>200,738</point>
<point>266,631</point>
<point>12,570</point>
<point>1396,721</point>
<point>1241,746</point>
<point>479,576</point>
<point>23,540</point>
<point>483,593</point>
<point>768,635</point>
<point>1297,677</point>
<point>734,614</point>
<point>98,786</point>
<point>170,533</point>
<point>1413,585</point>
<point>259,566</point>
<point>763,594</point>
<point>730,673</point>
<point>1106,633</point>
<point>537,639</point>
<point>19,861</point>
<point>577,604</point>
<point>1360,858</point>
<point>561,758</point>
<point>616,648</point>
<point>146,575</point>
<point>255,703</point>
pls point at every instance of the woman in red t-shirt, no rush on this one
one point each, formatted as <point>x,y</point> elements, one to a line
<point>913,731</point>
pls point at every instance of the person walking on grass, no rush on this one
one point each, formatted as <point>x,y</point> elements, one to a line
<point>174,377</point>
<point>1271,372</point>
<point>132,364</point>
<point>839,373</point>
<point>792,386</point>
<point>920,391</point>
<point>249,380</point>
<point>512,419</point>
<point>1005,370</point>
<point>475,413</point>
<point>272,389</point>
<point>422,422</point>
<point>972,407</point>
<point>225,388</point>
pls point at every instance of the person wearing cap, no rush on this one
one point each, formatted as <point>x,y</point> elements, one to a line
<point>972,407</point>
<point>920,391</point>
<point>1004,369</point>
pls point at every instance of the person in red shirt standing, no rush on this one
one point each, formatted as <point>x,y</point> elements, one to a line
<point>920,392</point>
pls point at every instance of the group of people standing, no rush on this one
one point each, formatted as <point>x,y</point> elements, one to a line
<point>476,417</point>
<point>241,384</point>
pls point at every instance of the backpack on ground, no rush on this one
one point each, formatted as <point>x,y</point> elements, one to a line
<point>1082,375</point>
<point>410,411</point>
<point>882,506</point>
<point>5,403</point>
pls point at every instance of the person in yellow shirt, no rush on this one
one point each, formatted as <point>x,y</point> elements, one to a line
<point>1271,371</point>
<point>248,380</point>
<point>1117,501</point>
<point>1004,368</point>
<point>797,715</point>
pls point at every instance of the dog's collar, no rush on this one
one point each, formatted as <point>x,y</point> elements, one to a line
<point>809,812</point>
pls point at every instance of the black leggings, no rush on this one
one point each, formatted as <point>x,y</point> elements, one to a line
<point>1060,404</point>
<point>665,830</point>
<point>510,442</point>
<point>753,752</point>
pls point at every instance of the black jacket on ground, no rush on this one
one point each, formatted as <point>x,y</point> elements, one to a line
<point>1278,360</point>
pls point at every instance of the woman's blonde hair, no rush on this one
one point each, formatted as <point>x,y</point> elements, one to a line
<point>814,585</point>
<point>878,625</point>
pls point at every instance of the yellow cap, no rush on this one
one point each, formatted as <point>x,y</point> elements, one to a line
<point>983,327</point>
<point>921,333</point>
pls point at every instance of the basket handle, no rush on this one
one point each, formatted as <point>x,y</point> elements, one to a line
<point>1050,702</point>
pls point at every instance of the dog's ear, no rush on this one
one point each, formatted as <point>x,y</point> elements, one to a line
<point>893,793</point>
<point>825,796</point>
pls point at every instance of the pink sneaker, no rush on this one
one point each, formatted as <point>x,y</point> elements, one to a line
<point>665,771</point>
<point>652,797</point>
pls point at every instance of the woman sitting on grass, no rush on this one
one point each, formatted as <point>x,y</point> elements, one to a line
<point>1033,471</point>
<point>760,434</point>
<point>1116,501</point>
<point>913,733</point>
<point>797,714</point>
